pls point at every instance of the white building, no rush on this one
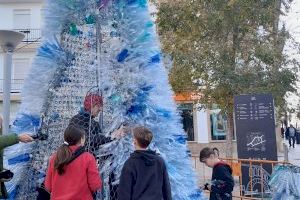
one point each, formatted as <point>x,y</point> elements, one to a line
<point>24,16</point>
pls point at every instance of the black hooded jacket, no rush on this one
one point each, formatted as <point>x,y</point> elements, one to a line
<point>93,133</point>
<point>144,177</point>
<point>222,182</point>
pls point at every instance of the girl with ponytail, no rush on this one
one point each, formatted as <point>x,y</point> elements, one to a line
<point>72,173</point>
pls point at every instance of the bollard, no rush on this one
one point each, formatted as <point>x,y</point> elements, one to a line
<point>286,152</point>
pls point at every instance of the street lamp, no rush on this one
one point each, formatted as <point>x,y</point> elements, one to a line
<point>8,42</point>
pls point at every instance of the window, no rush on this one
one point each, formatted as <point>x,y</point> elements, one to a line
<point>187,120</point>
<point>218,123</point>
<point>21,68</point>
<point>22,18</point>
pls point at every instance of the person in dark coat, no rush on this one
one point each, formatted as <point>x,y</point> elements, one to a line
<point>144,175</point>
<point>222,182</point>
<point>291,134</point>
<point>93,104</point>
<point>286,133</point>
<point>85,119</point>
<point>282,131</point>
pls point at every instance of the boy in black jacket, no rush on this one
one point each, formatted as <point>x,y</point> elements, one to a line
<point>222,183</point>
<point>144,175</point>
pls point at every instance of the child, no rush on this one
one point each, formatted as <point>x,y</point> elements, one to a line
<point>70,176</point>
<point>144,175</point>
<point>222,180</point>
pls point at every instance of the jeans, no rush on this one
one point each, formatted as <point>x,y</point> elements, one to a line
<point>292,139</point>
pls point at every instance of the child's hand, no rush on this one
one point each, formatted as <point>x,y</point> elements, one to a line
<point>25,138</point>
<point>119,133</point>
<point>209,187</point>
<point>206,187</point>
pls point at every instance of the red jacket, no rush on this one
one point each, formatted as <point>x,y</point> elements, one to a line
<point>80,180</point>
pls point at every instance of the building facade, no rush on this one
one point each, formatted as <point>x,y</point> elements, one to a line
<point>24,16</point>
<point>204,127</point>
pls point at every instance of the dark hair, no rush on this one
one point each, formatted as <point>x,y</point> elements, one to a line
<point>72,136</point>
<point>206,153</point>
<point>143,136</point>
<point>217,151</point>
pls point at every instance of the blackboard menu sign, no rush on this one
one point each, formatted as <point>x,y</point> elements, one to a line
<point>256,138</point>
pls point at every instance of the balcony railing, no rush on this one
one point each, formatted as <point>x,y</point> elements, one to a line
<point>16,85</point>
<point>31,35</point>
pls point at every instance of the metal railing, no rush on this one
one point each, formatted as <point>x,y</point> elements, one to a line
<point>31,35</point>
<point>16,85</point>
<point>255,169</point>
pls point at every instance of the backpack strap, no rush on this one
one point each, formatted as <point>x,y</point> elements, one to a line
<point>224,164</point>
<point>221,163</point>
<point>76,154</point>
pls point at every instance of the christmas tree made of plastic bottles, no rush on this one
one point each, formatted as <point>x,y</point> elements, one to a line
<point>111,48</point>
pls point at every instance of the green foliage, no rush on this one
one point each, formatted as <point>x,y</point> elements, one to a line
<point>226,48</point>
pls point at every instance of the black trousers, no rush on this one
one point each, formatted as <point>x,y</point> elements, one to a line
<point>113,188</point>
<point>292,139</point>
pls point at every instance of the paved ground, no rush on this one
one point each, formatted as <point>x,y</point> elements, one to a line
<point>293,154</point>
